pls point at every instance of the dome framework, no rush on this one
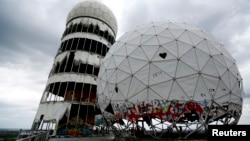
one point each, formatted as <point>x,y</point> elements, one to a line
<point>162,78</point>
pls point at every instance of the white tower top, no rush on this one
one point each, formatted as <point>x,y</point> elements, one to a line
<point>93,9</point>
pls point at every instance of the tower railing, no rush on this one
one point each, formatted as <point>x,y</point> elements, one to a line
<point>30,135</point>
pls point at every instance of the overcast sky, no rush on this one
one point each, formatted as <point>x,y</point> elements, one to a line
<point>30,33</point>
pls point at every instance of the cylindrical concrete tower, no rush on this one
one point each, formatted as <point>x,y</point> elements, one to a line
<point>68,101</point>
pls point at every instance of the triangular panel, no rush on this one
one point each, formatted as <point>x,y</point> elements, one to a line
<point>103,75</point>
<point>229,62</point>
<point>106,62</point>
<point>142,96</point>
<point>110,73</point>
<point>167,34</point>
<point>151,41</point>
<point>223,99</point>
<point>195,39</point>
<point>150,50</point>
<point>188,84</point>
<point>124,66</point>
<point>198,33</point>
<point>202,58</point>
<point>142,30</point>
<point>184,70</point>
<point>233,80</point>
<point>183,48</point>
<point>138,53</point>
<point>101,85</point>
<point>211,82</point>
<point>122,51</point>
<point>234,70</point>
<point>118,96</point>
<point>117,93</point>
<point>228,58</point>
<point>190,59</point>
<point>185,38</point>
<point>112,78</point>
<point>210,68</point>
<point>176,32</point>
<point>171,47</point>
<point>220,64</point>
<point>116,47</point>
<point>156,75</point>
<point>203,46</point>
<point>217,45</point>
<point>109,109</point>
<point>213,50</point>
<point>162,89</point>
<point>177,93</point>
<point>221,90</point>
<point>153,95</point>
<point>225,79</point>
<point>142,75</point>
<point>136,64</point>
<point>145,38</point>
<point>150,31</point>
<point>124,85</point>
<point>163,39</point>
<point>135,87</point>
<point>201,91</point>
<point>133,35</point>
<point>121,75</point>
<point>236,89</point>
<point>109,90</point>
<point>111,64</point>
<point>130,48</point>
<point>118,59</point>
<point>136,40</point>
<point>158,29</point>
<point>167,66</point>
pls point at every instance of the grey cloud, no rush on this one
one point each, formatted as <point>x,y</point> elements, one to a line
<point>27,27</point>
<point>16,116</point>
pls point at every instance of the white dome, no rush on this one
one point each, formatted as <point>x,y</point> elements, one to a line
<point>93,9</point>
<point>168,61</point>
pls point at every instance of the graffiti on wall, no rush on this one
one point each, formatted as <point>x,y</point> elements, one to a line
<point>166,110</point>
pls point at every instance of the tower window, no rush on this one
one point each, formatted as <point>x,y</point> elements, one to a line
<point>90,29</point>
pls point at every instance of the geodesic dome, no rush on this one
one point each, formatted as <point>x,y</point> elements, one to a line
<point>171,73</point>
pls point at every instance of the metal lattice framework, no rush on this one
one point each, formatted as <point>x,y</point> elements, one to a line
<point>162,78</point>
